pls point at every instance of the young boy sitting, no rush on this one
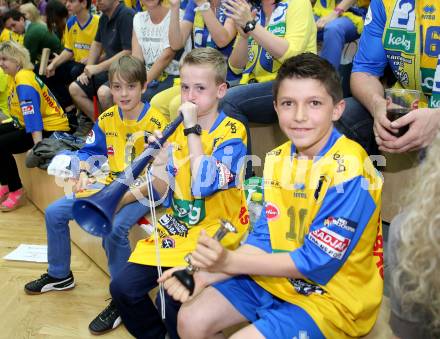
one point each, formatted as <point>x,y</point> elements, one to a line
<point>118,135</point>
<point>202,164</point>
<point>311,266</point>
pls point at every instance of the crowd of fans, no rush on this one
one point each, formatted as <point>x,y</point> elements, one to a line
<point>118,72</point>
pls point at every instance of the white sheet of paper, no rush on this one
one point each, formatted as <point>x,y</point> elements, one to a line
<point>25,252</point>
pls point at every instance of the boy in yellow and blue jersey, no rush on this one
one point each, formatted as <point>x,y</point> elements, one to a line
<point>202,166</point>
<point>312,266</point>
<point>117,136</point>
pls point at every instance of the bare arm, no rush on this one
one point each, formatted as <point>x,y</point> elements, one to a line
<point>95,52</point>
<point>221,34</point>
<point>37,136</point>
<point>178,31</point>
<point>239,54</point>
<point>136,49</point>
<point>160,64</point>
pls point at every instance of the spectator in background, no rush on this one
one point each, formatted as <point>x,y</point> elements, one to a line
<point>36,35</point>
<point>414,255</point>
<point>56,17</point>
<point>31,12</point>
<point>404,36</point>
<point>79,35</point>
<point>207,22</point>
<point>338,22</point>
<point>113,38</point>
<point>36,114</point>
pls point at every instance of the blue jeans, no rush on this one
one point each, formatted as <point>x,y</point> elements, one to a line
<point>116,244</point>
<point>356,123</point>
<point>334,36</point>
<point>155,87</point>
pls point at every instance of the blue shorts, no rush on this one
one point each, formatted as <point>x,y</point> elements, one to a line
<point>273,317</point>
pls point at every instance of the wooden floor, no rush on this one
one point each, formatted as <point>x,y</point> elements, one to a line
<point>63,314</point>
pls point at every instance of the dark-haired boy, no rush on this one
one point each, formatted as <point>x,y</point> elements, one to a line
<point>119,136</point>
<point>311,266</point>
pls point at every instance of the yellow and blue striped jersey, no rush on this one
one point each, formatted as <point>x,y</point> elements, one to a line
<point>325,212</point>
<point>33,106</point>
<point>78,39</point>
<point>198,202</point>
<point>120,140</point>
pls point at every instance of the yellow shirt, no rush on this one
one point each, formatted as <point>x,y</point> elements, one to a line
<point>33,106</point>
<point>78,39</point>
<point>199,204</point>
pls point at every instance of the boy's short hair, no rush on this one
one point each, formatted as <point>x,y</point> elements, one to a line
<point>208,56</point>
<point>14,15</point>
<point>16,52</point>
<point>310,66</point>
<point>128,68</point>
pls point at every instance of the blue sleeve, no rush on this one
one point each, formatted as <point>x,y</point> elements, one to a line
<point>189,11</point>
<point>219,170</point>
<point>95,145</point>
<point>30,102</point>
<point>335,231</point>
<point>370,57</point>
<point>259,236</point>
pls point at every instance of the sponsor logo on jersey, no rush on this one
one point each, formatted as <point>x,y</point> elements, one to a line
<point>333,244</point>
<point>224,174</point>
<point>345,224</point>
<point>428,12</point>
<point>110,150</point>
<point>78,45</point>
<point>233,126</point>
<point>168,242</point>
<point>399,40</point>
<point>404,15</point>
<point>156,122</point>
<point>305,288</point>
<point>173,226</point>
<point>272,211</point>
<point>27,108</point>
<point>340,161</point>
<point>90,137</point>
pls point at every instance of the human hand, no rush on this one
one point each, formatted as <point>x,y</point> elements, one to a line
<point>209,255</point>
<point>383,132</point>
<point>424,124</point>
<point>189,112</point>
<point>83,181</point>
<point>320,24</point>
<point>175,288</point>
<point>91,70</point>
<point>161,158</point>
<point>239,11</point>
<point>83,79</point>
<point>50,70</point>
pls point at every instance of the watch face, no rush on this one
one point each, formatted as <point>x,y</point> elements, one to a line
<point>250,26</point>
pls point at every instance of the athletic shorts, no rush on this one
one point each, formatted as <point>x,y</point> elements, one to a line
<point>273,317</point>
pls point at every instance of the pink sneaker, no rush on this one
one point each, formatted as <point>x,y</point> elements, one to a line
<point>4,191</point>
<point>14,200</point>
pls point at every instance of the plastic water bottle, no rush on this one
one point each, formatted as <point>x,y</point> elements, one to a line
<point>255,206</point>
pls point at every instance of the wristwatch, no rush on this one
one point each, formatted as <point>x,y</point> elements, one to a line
<point>196,129</point>
<point>250,26</point>
<point>203,7</point>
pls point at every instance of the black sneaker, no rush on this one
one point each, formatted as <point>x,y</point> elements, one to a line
<point>106,321</point>
<point>47,283</point>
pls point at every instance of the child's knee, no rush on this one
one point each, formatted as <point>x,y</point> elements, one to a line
<point>104,94</point>
<point>75,90</point>
<point>191,322</point>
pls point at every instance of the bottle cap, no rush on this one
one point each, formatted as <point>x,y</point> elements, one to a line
<point>257,197</point>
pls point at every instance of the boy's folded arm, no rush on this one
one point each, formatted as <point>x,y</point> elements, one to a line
<point>219,170</point>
